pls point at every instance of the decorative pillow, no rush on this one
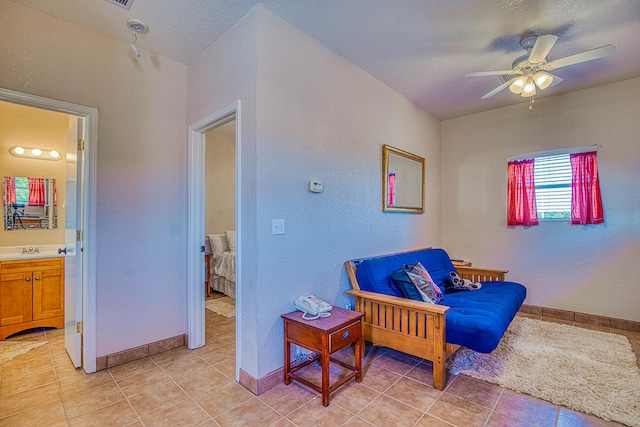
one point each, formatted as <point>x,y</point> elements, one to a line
<point>414,282</point>
<point>457,283</point>
<point>218,243</point>
<point>429,290</point>
<point>419,269</point>
<point>231,239</point>
<point>406,286</point>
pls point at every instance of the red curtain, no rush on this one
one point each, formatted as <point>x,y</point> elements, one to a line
<point>36,191</point>
<point>10,190</point>
<point>391,191</point>
<point>521,193</point>
<point>586,203</point>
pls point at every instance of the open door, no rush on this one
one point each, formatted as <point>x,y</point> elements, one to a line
<point>73,241</point>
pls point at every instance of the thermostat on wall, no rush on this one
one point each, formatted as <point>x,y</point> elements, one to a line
<point>315,186</point>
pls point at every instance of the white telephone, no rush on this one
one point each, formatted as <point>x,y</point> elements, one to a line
<point>314,306</point>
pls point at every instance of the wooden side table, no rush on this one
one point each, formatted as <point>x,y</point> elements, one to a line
<point>458,263</point>
<point>323,336</point>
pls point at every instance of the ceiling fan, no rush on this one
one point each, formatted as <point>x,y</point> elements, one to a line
<point>531,70</point>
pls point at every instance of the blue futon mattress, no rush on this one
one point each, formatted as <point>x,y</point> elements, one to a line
<point>478,319</point>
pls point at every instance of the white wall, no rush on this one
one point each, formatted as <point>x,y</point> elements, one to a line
<point>317,117</point>
<point>141,177</point>
<point>222,74</point>
<point>591,269</point>
<point>321,117</point>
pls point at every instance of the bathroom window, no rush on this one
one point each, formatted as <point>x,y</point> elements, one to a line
<point>22,191</point>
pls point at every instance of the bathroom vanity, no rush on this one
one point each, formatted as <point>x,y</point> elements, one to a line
<point>31,294</point>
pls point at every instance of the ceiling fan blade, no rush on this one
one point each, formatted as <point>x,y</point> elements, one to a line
<point>499,88</point>
<point>599,52</point>
<point>556,80</point>
<point>491,73</point>
<point>541,48</point>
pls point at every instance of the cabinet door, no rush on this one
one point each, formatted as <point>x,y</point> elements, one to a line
<point>48,294</point>
<point>15,298</point>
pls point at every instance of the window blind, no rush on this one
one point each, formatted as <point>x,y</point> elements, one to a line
<point>552,175</point>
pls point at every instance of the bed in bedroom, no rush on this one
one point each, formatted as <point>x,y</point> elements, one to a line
<point>222,264</point>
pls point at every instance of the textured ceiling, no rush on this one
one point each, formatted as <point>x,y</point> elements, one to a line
<point>420,48</point>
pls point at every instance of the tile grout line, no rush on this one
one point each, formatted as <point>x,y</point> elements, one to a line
<point>184,391</point>
<point>220,385</point>
<point>30,389</point>
<point>67,420</point>
<point>126,398</point>
<point>495,405</point>
<point>436,400</point>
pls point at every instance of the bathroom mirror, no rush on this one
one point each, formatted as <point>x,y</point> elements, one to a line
<point>402,181</point>
<point>29,203</point>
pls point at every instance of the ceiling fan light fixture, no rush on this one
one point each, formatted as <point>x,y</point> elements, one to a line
<point>529,88</point>
<point>542,79</point>
<point>517,85</point>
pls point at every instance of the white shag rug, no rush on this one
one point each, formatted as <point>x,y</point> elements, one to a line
<point>225,306</point>
<point>9,350</point>
<point>581,369</point>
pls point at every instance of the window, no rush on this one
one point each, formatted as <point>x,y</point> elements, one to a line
<point>22,191</point>
<point>559,184</point>
<point>552,177</point>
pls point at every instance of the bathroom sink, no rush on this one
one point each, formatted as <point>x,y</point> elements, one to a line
<point>24,252</point>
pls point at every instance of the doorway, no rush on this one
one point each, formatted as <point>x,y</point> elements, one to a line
<point>79,240</point>
<point>196,227</point>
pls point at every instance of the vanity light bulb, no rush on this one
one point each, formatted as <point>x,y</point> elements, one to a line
<point>19,150</point>
<point>54,154</point>
<point>36,152</point>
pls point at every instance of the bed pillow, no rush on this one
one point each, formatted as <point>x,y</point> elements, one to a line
<point>218,243</point>
<point>231,239</point>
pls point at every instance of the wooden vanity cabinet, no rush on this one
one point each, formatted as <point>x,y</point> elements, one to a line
<point>31,294</point>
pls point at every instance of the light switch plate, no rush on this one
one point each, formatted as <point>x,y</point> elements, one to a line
<point>277,226</point>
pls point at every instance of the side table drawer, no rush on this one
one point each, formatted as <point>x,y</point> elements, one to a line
<point>305,336</point>
<point>344,337</point>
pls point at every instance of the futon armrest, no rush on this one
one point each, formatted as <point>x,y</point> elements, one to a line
<point>481,274</point>
<point>400,302</point>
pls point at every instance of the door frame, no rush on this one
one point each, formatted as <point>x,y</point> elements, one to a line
<point>88,279</point>
<point>195,226</point>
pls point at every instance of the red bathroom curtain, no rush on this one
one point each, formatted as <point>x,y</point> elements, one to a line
<point>521,193</point>
<point>586,203</point>
<point>10,190</point>
<point>36,191</point>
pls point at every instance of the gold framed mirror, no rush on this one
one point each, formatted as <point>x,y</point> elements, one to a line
<point>403,177</point>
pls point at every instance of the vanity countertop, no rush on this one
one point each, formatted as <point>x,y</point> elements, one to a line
<point>8,253</point>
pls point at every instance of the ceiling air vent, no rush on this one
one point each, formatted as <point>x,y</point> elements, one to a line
<point>122,3</point>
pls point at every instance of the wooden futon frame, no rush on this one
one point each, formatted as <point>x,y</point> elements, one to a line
<point>413,327</point>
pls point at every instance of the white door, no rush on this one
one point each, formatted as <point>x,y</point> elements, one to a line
<point>73,242</point>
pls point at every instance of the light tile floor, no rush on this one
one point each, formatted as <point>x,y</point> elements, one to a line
<point>197,388</point>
